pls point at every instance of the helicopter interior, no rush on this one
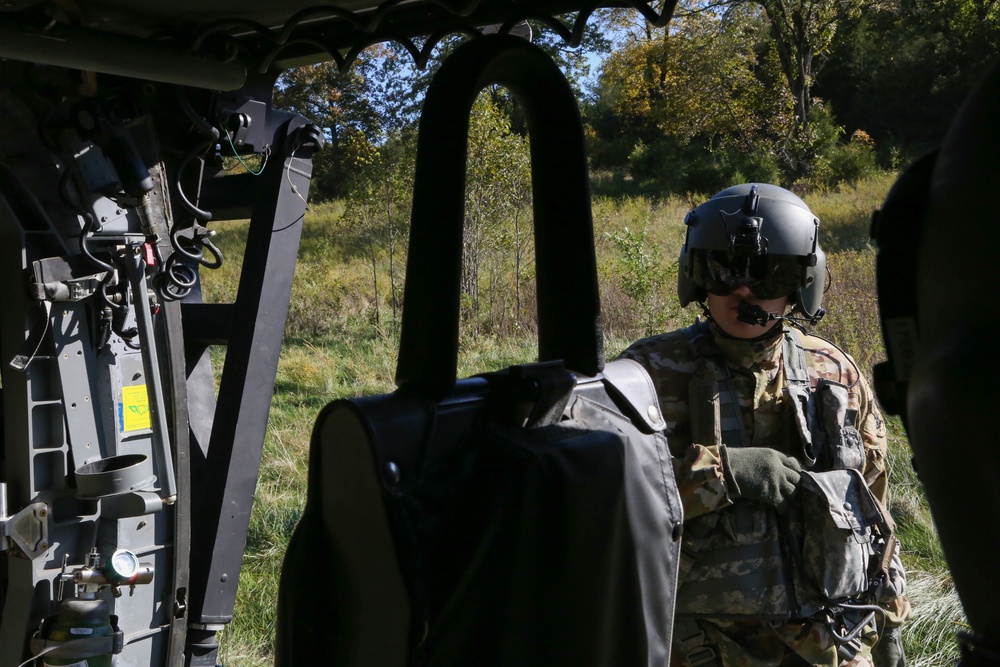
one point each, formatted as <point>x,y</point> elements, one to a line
<point>127,476</point>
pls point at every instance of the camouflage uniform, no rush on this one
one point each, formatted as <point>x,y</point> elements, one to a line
<point>756,372</point>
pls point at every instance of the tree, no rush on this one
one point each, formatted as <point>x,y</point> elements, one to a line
<point>377,215</point>
<point>802,32</point>
<point>697,79</point>
<point>496,237</point>
<point>693,106</point>
<point>358,109</point>
<point>900,69</point>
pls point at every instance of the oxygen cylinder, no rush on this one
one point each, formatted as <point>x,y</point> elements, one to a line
<point>80,618</point>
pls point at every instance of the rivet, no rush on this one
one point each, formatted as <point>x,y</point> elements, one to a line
<point>677,531</point>
<point>393,473</point>
<point>654,413</point>
<point>847,506</point>
<point>224,578</point>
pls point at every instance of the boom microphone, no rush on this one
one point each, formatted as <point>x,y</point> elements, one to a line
<point>754,314</point>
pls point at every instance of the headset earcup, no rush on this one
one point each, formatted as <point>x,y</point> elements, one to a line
<point>811,296</point>
<point>687,290</point>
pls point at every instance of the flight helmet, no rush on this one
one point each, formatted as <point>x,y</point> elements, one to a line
<point>755,234</point>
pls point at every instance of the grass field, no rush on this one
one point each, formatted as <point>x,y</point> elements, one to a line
<point>333,350</point>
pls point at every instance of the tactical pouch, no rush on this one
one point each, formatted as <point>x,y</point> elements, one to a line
<point>830,438</point>
<point>524,517</point>
<point>843,534</point>
<point>836,428</point>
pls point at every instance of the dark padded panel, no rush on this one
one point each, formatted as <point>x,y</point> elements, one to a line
<point>494,545</point>
<point>954,392</point>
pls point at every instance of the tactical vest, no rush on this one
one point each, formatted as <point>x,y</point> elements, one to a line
<point>745,560</point>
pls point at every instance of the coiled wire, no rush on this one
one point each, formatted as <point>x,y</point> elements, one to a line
<point>189,241</point>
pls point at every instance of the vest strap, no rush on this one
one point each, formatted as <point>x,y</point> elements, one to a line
<point>794,357</point>
<point>732,424</point>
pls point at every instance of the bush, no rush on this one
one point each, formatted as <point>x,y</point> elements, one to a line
<point>667,166</point>
<point>851,162</point>
<point>756,166</point>
<point>805,153</point>
<point>609,153</point>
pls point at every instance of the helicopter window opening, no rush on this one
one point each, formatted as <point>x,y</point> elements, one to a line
<point>220,285</point>
<point>217,353</point>
<point>498,277</point>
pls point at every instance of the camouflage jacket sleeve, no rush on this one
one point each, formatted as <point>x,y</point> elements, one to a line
<point>700,481</point>
<point>873,435</point>
<point>697,468</point>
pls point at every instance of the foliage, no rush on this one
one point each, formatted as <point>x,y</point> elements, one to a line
<point>734,83</point>
<point>895,70</point>
<point>807,149</point>
<point>372,223</point>
<point>693,108</point>
<point>377,214</point>
<point>496,258</point>
<point>802,32</point>
<point>696,80</point>
<point>575,62</point>
<point>666,166</point>
<point>900,69</point>
<point>642,276</point>
<point>730,88</point>
<point>850,162</point>
<point>358,109</point>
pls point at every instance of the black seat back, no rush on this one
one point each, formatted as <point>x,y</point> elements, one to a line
<point>524,517</point>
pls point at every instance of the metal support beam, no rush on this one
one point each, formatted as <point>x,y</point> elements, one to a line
<point>227,477</point>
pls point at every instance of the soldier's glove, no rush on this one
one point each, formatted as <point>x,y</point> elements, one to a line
<point>760,473</point>
<point>889,650</point>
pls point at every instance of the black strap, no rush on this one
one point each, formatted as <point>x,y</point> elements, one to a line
<point>569,326</point>
<point>84,647</point>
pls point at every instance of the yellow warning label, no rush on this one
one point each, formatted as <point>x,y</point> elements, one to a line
<point>135,408</point>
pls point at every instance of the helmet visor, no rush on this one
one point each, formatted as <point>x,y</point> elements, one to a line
<point>768,276</point>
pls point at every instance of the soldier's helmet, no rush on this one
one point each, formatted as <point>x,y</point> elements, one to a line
<point>755,234</point>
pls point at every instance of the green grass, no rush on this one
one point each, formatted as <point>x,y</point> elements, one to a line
<point>333,350</point>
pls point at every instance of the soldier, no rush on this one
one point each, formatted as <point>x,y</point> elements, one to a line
<point>779,450</point>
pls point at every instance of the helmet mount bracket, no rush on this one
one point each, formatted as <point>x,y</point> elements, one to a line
<point>747,239</point>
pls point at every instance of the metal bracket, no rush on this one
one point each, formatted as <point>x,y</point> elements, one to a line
<point>28,529</point>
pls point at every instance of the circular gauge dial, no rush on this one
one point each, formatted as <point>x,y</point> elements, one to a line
<point>122,566</point>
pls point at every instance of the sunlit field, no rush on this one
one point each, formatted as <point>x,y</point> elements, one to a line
<point>341,341</point>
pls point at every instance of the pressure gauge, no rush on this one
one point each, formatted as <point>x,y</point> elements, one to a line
<point>122,567</point>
